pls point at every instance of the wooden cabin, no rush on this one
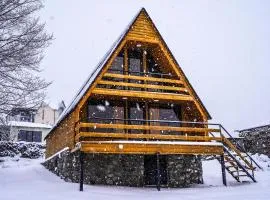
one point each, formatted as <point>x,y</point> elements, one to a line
<point>137,121</point>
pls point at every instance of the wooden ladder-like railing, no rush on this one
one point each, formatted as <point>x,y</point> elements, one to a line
<point>238,163</point>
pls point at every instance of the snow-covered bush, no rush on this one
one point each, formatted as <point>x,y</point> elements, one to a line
<point>21,149</point>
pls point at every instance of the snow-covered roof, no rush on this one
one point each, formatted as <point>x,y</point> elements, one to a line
<point>102,63</point>
<point>29,124</point>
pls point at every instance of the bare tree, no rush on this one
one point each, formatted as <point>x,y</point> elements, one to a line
<point>22,42</point>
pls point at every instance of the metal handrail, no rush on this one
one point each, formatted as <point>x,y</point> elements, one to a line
<point>239,146</point>
<point>239,164</point>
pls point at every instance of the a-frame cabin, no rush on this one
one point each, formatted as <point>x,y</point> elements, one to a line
<point>137,121</point>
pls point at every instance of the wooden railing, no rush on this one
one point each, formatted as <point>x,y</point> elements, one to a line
<point>142,86</point>
<point>181,137</point>
<point>174,130</point>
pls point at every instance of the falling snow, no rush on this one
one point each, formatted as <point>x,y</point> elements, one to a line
<point>101,108</point>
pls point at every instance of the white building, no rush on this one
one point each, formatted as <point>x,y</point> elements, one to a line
<point>32,125</point>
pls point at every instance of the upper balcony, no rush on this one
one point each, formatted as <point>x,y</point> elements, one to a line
<point>155,86</point>
<point>140,71</point>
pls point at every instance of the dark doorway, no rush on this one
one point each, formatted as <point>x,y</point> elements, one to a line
<point>150,170</point>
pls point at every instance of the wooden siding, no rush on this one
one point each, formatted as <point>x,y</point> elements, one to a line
<point>61,137</point>
<point>142,29</point>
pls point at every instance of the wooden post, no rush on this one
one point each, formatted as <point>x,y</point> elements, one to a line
<point>223,170</point>
<point>158,173</point>
<point>81,170</point>
<point>126,72</point>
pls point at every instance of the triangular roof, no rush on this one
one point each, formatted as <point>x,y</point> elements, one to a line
<point>82,91</point>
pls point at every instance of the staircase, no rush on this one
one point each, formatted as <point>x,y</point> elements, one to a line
<point>236,161</point>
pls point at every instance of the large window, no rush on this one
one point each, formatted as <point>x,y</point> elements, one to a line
<point>105,111</point>
<point>137,114</point>
<point>165,112</point>
<point>153,67</point>
<point>30,136</point>
<point>135,62</point>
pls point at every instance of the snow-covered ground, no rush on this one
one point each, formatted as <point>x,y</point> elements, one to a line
<point>26,179</point>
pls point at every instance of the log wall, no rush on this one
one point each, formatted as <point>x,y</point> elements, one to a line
<point>62,136</point>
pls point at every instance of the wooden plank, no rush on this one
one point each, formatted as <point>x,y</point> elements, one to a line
<point>143,148</point>
<point>143,78</point>
<point>149,86</point>
<point>139,39</point>
<point>145,127</point>
<point>143,94</point>
<point>146,136</point>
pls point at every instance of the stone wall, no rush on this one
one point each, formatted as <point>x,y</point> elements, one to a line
<point>257,143</point>
<point>184,170</point>
<point>123,170</point>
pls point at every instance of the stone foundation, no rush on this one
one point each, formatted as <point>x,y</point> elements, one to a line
<point>123,170</point>
<point>184,170</point>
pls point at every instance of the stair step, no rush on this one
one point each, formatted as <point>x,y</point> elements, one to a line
<point>235,154</point>
<point>228,167</point>
<point>230,160</point>
<point>243,175</point>
<point>237,171</point>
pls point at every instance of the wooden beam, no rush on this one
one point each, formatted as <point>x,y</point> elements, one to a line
<point>143,94</point>
<point>145,127</point>
<point>139,39</point>
<point>143,148</point>
<point>143,78</point>
<point>223,170</point>
<point>159,87</point>
<point>145,136</point>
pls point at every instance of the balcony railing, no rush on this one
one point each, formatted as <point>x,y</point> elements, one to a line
<point>146,85</point>
<point>137,129</point>
<point>204,140</point>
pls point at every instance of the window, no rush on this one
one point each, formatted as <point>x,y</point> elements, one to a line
<point>135,62</point>
<point>30,136</point>
<point>26,117</point>
<point>118,64</point>
<point>105,111</point>
<point>43,112</point>
<point>166,112</point>
<point>153,67</point>
<point>137,113</point>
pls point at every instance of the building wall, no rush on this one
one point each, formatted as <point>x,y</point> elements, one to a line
<point>62,136</point>
<point>123,170</point>
<point>46,115</point>
<point>14,132</point>
<point>257,143</point>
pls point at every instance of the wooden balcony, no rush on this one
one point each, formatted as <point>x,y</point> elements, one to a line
<point>142,86</point>
<point>116,138</point>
